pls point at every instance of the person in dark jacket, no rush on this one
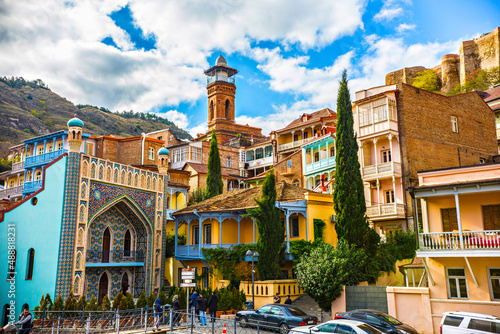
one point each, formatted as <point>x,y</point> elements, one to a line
<point>176,306</point>
<point>202,309</point>
<point>25,320</point>
<point>212,305</point>
<point>157,313</point>
<point>277,299</point>
<point>288,300</point>
<point>193,300</point>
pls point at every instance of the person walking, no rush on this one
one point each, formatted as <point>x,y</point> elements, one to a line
<point>202,308</point>
<point>277,298</point>
<point>193,303</point>
<point>176,306</point>
<point>288,301</point>
<point>157,313</point>
<point>212,306</point>
<point>25,320</point>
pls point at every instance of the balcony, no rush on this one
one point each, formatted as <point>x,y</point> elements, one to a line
<point>41,159</point>
<point>319,165</point>
<point>32,186</point>
<point>114,258</point>
<point>377,128</point>
<point>224,78</point>
<point>194,251</point>
<point>381,170</point>
<point>17,166</point>
<point>297,143</point>
<point>11,192</point>
<point>385,211</point>
<point>260,162</point>
<point>456,243</point>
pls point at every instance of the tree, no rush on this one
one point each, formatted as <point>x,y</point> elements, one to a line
<point>92,304</point>
<point>106,303</point>
<point>271,231</point>
<point>117,300</point>
<point>81,304</point>
<point>130,301</point>
<point>214,174</point>
<point>141,301</point>
<point>70,302</point>
<point>349,197</point>
<point>427,80</point>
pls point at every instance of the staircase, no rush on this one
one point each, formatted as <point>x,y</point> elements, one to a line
<point>309,306</point>
<point>167,286</point>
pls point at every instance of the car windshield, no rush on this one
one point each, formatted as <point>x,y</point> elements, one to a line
<point>295,311</point>
<point>389,319</point>
<point>369,329</point>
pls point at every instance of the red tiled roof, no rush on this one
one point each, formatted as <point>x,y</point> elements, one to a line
<point>314,117</point>
<point>244,198</point>
<point>490,94</point>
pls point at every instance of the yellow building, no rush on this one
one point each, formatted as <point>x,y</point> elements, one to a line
<point>459,246</point>
<point>223,223</point>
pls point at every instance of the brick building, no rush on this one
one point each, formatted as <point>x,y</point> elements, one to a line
<point>403,130</point>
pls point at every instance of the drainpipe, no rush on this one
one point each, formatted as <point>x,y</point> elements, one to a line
<point>142,155</point>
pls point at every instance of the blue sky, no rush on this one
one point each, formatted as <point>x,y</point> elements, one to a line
<point>150,56</point>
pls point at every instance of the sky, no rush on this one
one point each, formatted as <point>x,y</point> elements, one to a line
<point>149,56</point>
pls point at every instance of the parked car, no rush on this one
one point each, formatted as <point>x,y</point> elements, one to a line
<point>467,322</point>
<point>381,321</point>
<point>337,326</point>
<point>277,316</point>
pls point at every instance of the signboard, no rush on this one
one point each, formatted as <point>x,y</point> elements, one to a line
<point>188,276</point>
<point>188,285</point>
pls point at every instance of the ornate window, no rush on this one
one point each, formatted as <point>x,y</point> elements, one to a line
<point>78,260</point>
<point>77,285</point>
<point>92,170</point>
<point>129,180</point>
<point>85,167</point>
<point>115,176</point>
<point>101,172</point>
<point>122,180</point>
<point>154,183</point>
<point>108,173</point>
<point>142,181</point>
<point>148,182</point>
<point>80,236</point>
<point>83,190</point>
<point>81,216</point>
<point>136,179</point>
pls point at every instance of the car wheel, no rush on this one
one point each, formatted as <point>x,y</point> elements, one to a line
<point>243,322</point>
<point>284,328</point>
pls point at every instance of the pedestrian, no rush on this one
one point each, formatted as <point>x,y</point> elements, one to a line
<point>176,306</point>
<point>277,298</point>
<point>25,320</point>
<point>202,309</point>
<point>157,313</point>
<point>193,303</point>
<point>212,305</point>
<point>288,301</point>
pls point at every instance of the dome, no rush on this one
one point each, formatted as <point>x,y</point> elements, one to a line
<point>221,61</point>
<point>163,151</point>
<point>75,122</point>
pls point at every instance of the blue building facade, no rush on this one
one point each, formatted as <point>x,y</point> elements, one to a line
<point>93,227</point>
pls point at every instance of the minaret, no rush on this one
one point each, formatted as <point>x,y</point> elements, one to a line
<point>221,91</point>
<point>163,160</point>
<point>75,126</point>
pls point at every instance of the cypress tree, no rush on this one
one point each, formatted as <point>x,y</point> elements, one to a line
<point>271,231</point>
<point>214,174</point>
<point>349,197</point>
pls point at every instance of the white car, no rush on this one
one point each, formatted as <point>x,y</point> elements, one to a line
<point>342,326</point>
<point>469,323</point>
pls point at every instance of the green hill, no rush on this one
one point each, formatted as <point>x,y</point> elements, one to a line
<point>29,109</point>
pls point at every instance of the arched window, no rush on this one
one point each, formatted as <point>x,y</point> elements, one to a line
<point>115,176</point>
<point>211,111</point>
<point>77,285</point>
<point>31,263</point>
<point>125,285</point>
<point>80,237</point>
<point>228,109</point>
<point>148,182</point>
<point>142,181</point>
<point>85,167</point>
<point>108,173</point>
<point>38,175</point>
<point>11,264</point>
<point>82,214</point>
<point>122,180</point>
<point>157,279</point>
<point>136,179</point>
<point>154,183</point>
<point>101,172</point>
<point>296,183</point>
<point>160,185</point>
<point>157,260</point>
<point>92,170</point>
<point>78,260</point>
<point>103,287</point>
<point>127,244</point>
<point>129,179</point>
<point>83,190</point>
<point>106,245</point>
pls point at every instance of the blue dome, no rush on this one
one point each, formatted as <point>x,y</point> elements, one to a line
<point>75,122</point>
<point>163,151</point>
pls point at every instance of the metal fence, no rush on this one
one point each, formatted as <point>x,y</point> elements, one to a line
<point>142,321</point>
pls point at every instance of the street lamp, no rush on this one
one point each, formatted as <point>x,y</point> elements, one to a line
<point>253,255</point>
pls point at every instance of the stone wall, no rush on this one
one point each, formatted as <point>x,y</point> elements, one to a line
<point>290,169</point>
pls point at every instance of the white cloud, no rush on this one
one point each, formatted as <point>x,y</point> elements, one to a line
<point>200,128</point>
<point>390,10</point>
<point>403,27</point>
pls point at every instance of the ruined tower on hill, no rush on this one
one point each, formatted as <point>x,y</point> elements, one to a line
<point>482,53</point>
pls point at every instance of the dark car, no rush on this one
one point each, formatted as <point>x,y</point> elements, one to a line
<point>383,322</point>
<point>276,315</point>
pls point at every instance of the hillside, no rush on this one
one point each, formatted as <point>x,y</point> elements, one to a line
<point>30,111</point>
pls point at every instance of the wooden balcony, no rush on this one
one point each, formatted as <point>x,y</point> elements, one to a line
<point>11,192</point>
<point>386,211</point>
<point>388,169</point>
<point>294,144</point>
<point>460,241</point>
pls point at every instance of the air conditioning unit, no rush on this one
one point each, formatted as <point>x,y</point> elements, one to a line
<point>334,218</point>
<point>373,185</point>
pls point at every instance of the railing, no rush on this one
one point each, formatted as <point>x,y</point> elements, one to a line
<point>9,192</point>
<point>194,250</point>
<point>453,240</point>
<point>17,166</point>
<point>32,185</point>
<point>43,158</point>
<point>115,256</point>
<point>293,144</point>
<point>260,162</point>
<point>388,167</point>
<point>329,162</point>
<point>385,210</point>
<point>211,79</point>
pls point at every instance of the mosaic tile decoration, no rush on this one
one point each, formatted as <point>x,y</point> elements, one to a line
<point>114,275</point>
<point>67,245</point>
<point>101,194</point>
